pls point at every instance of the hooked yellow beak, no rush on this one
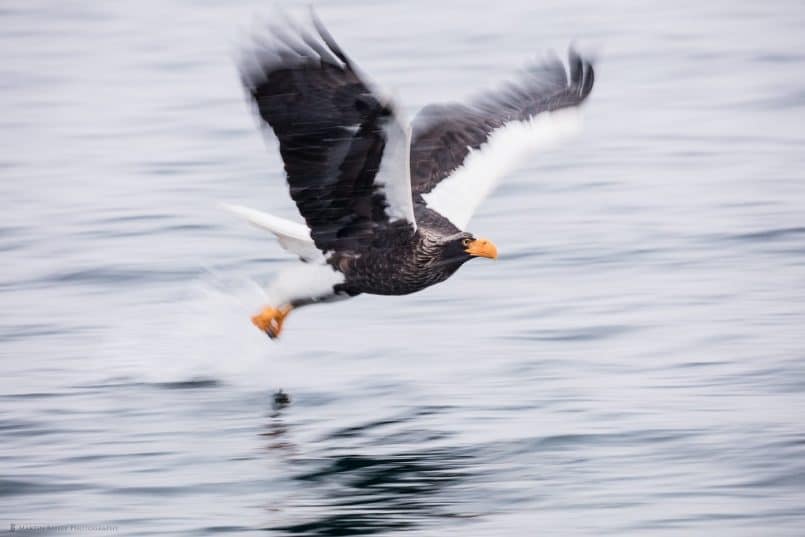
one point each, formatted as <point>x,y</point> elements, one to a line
<point>482,248</point>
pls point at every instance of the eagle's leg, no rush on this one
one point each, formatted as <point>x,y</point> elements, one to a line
<point>294,288</point>
<point>270,319</point>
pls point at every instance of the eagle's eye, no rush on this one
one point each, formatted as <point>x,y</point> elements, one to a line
<point>466,242</point>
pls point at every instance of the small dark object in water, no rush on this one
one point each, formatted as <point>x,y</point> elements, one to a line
<point>281,399</point>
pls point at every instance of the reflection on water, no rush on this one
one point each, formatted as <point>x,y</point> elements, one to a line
<point>361,485</point>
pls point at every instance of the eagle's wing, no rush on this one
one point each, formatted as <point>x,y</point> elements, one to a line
<point>460,152</point>
<point>345,150</point>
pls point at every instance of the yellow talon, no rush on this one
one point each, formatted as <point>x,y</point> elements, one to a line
<point>270,320</point>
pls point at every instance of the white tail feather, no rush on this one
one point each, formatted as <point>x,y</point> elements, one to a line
<point>292,236</point>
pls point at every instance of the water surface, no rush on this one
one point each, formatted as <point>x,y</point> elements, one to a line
<point>631,365</point>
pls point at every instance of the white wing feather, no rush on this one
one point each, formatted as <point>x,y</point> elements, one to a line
<point>459,195</point>
<point>394,174</point>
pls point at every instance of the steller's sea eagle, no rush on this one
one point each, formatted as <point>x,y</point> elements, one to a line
<point>385,203</point>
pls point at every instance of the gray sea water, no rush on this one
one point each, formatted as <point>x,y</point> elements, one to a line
<point>632,364</point>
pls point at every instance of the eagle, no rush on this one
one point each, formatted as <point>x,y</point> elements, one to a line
<point>386,202</point>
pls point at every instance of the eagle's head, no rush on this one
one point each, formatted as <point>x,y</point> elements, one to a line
<point>463,246</point>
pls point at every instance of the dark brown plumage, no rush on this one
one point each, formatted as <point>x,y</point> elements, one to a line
<point>347,155</point>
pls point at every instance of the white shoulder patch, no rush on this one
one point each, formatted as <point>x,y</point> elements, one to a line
<point>394,174</point>
<point>458,196</point>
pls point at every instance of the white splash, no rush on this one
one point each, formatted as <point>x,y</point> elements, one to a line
<point>204,334</point>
